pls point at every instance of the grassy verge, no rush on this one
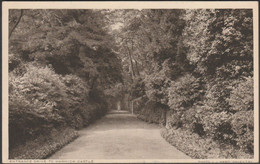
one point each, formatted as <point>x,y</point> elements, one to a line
<point>44,146</point>
<point>201,148</point>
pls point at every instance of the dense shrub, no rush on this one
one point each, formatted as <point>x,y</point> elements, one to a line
<point>183,92</point>
<point>241,101</point>
<point>77,96</point>
<point>214,117</point>
<point>44,145</point>
<point>216,95</point>
<point>242,96</point>
<point>96,106</point>
<point>151,112</point>
<point>41,100</point>
<point>42,88</point>
<point>156,86</point>
<point>192,120</point>
<point>174,119</point>
<point>13,62</point>
<point>139,104</point>
<point>35,100</point>
<point>200,147</point>
<point>243,125</point>
<point>217,126</point>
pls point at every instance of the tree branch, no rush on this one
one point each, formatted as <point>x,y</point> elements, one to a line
<point>16,23</point>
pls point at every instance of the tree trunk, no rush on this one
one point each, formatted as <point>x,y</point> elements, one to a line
<point>137,69</point>
<point>93,82</point>
<point>132,107</point>
<point>163,118</point>
<point>131,62</point>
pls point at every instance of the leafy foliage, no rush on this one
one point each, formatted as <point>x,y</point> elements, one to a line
<point>218,126</point>
<point>41,88</point>
<point>220,41</point>
<point>201,148</point>
<point>35,100</point>
<point>216,95</point>
<point>184,92</point>
<point>243,125</point>
<point>242,96</point>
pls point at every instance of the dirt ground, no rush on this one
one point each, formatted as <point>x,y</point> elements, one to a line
<point>119,135</point>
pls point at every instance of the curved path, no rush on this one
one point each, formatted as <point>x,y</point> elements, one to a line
<point>119,135</point>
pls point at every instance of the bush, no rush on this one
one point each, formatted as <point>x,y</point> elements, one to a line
<point>40,100</point>
<point>174,119</point>
<point>241,101</point>
<point>45,145</point>
<point>243,125</point>
<point>42,88</point>
<point>224,115</point>
<point>216,95</point>
<point>242,96</point>
<point>151,112</point>
<point>85,105</point>
<point>156,86</point>
<point>77,97</point>
<point>201,148</point>
<point>192,121</point>
<point>35,100</point>
<point>139,104</point>
<point>184,92</point>
<point>13,61</point>
<point>218,126</point>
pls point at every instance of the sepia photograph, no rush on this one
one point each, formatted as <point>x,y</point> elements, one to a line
<point>88,82</point>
